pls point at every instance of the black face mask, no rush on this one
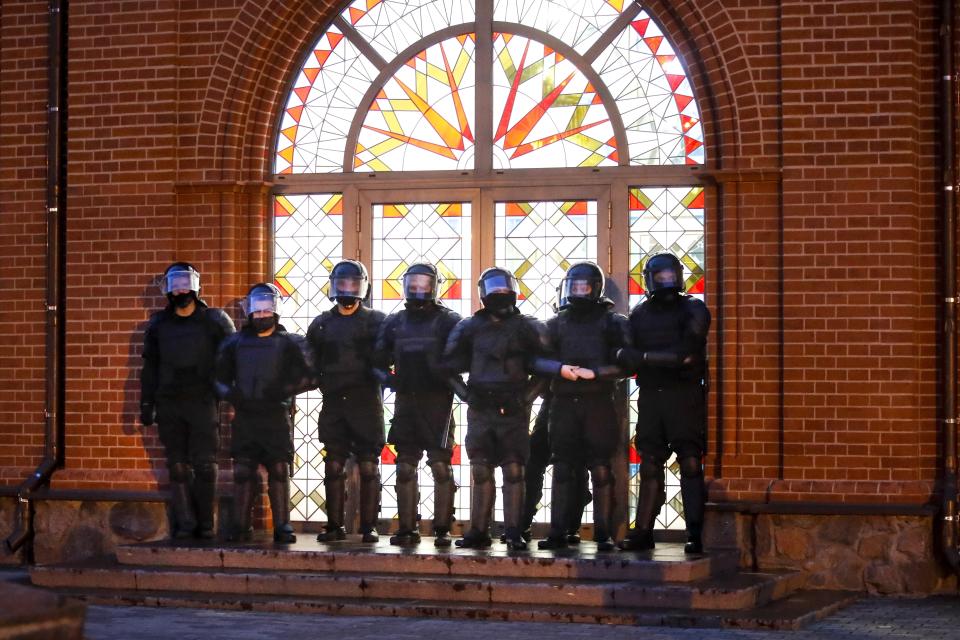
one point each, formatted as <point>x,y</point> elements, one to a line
<point>263,324</point>
<point>416,305</point>
<point>182,300</point>
<point>500,304</point>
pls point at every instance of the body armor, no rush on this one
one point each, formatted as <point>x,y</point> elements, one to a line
<point>342,348</point>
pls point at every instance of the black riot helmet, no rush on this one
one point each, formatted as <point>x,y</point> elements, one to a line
<point>663,275</point>
<point>421,284</point>
<point>349,282</point>
<point>498,290</point>
<point>263,296</point>
<point>582,285</point>
<point>181,284</point>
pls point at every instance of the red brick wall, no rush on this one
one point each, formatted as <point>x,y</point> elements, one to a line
<point>172,114</point>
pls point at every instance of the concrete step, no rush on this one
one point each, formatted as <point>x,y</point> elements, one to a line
<point>28,613</point>
<point>793,612</point>
<point>739,591</point>
<point>666,563</point>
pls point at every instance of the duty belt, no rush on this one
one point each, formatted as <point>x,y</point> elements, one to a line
<point>505,403</point>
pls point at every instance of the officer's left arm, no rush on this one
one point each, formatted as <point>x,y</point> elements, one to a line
<point>383,351</point>
<point>223,325</point>
<point>691,347</point>
<point>617,338</point>
<point>299,378</point>
<point>539,361</point>
<point>226,372</point>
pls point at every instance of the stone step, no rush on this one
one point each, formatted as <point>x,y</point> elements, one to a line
<point>738,591</point>
<point>666,563</point>
<point>30,614</point>
<point>793,612</point>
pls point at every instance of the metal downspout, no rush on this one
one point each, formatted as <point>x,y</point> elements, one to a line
<point>950,533</point>
<point>55,276</point>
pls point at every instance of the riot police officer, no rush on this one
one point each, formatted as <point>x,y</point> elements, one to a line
<point>500,348</point>
<point>412,341</point>
<point>259,371</point>
<point>179,350</point>
<point>584,427</point>
<point>669,331</point>
<point>341,342</point>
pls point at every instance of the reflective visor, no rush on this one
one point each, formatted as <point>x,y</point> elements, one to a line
<point>666,278</point>
<point>181,281</point>
<point>261,302</point>
<point>419,286</point>
<point>348,286</point>
<point>497,283</point>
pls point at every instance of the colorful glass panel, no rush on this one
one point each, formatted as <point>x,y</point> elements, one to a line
<point>538,241</point>
<point>321,107</point>
<point>576,22</point>
<point>423,116</point>
<point>653,94</point>
<point>308,241</point>
<point>393,25</point>
<point>404,234</point>
<point>668,219</point>
<point>547,114</point>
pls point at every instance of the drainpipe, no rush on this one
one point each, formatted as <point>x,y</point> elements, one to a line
<point>950,527</point>
<point>56,276</point>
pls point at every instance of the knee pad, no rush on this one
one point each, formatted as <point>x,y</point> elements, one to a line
<point>206,472</point>
<point>181,472</point>
<point>512,473</point>
<point>369,469</point>
<point>602,476</point>
<point>690,467</point>
<point>278,471</point>
<point>243,471</point>
<point>333,470</point>
<point>563,472</point>
<point>481,473</point>
<point>441,472</point>
<point>651,469</point>
<point>406,473</point>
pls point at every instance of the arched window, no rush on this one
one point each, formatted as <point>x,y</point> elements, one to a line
<point>524,133</point>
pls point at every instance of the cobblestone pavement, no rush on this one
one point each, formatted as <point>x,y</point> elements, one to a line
<point>932,618</point>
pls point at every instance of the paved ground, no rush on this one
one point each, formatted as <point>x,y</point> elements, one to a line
<point>935,618</point>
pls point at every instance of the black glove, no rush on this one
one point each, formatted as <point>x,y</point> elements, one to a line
<point>148,413</point>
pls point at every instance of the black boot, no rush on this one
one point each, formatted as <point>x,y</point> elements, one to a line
<point>335,488</point>
<point>693,493</point>
<point>408,499</point>
<point>205,498</point>
<point>181,500</point>
<point>481,504</point>
<point>443,489</point>
<point>243,496</point>
<point>278,490</point>
<point>369,500</point>
<point>650,499</point>
<point>559,508</point>
<point>513,505</point>
<point>602,506</point>
<point>694,539</point>
<point>638,540</point>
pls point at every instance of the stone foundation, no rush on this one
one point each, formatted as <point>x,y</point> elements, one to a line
<point>69,530</point>
<point>879,554</point>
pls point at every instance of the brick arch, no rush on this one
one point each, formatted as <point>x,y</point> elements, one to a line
<point>252,75</point>
<point>718,66</point>
<point>248,84</point>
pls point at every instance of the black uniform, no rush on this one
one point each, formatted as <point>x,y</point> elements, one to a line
<point>500,353</point>
<point>669,356</point>
<point>584,425</point>
<point>351,417</point>
<point>177,380</point>
<point>259,375</point>
<point>412,341</point>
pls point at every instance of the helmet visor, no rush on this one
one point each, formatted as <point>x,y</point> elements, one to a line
<point>498,283</point>
<point>348,287</point>
<point>581,289</point>
<point>419,286</point>
<point>180,281</point>
<point>260,301</point>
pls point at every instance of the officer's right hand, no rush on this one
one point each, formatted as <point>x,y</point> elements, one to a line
<point>568,372</point>
<point>148,414</point>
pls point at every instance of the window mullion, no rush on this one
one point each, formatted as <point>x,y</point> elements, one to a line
<point>483,114</point>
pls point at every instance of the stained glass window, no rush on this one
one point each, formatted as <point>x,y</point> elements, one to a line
<point>653,94</point>
<point>404,234</point>
<point>423,116</point>
<point>549,114</point>
<point>574,22</point>
<point>308,241</point>
<point>662,220</point>
<point>546,111</point>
